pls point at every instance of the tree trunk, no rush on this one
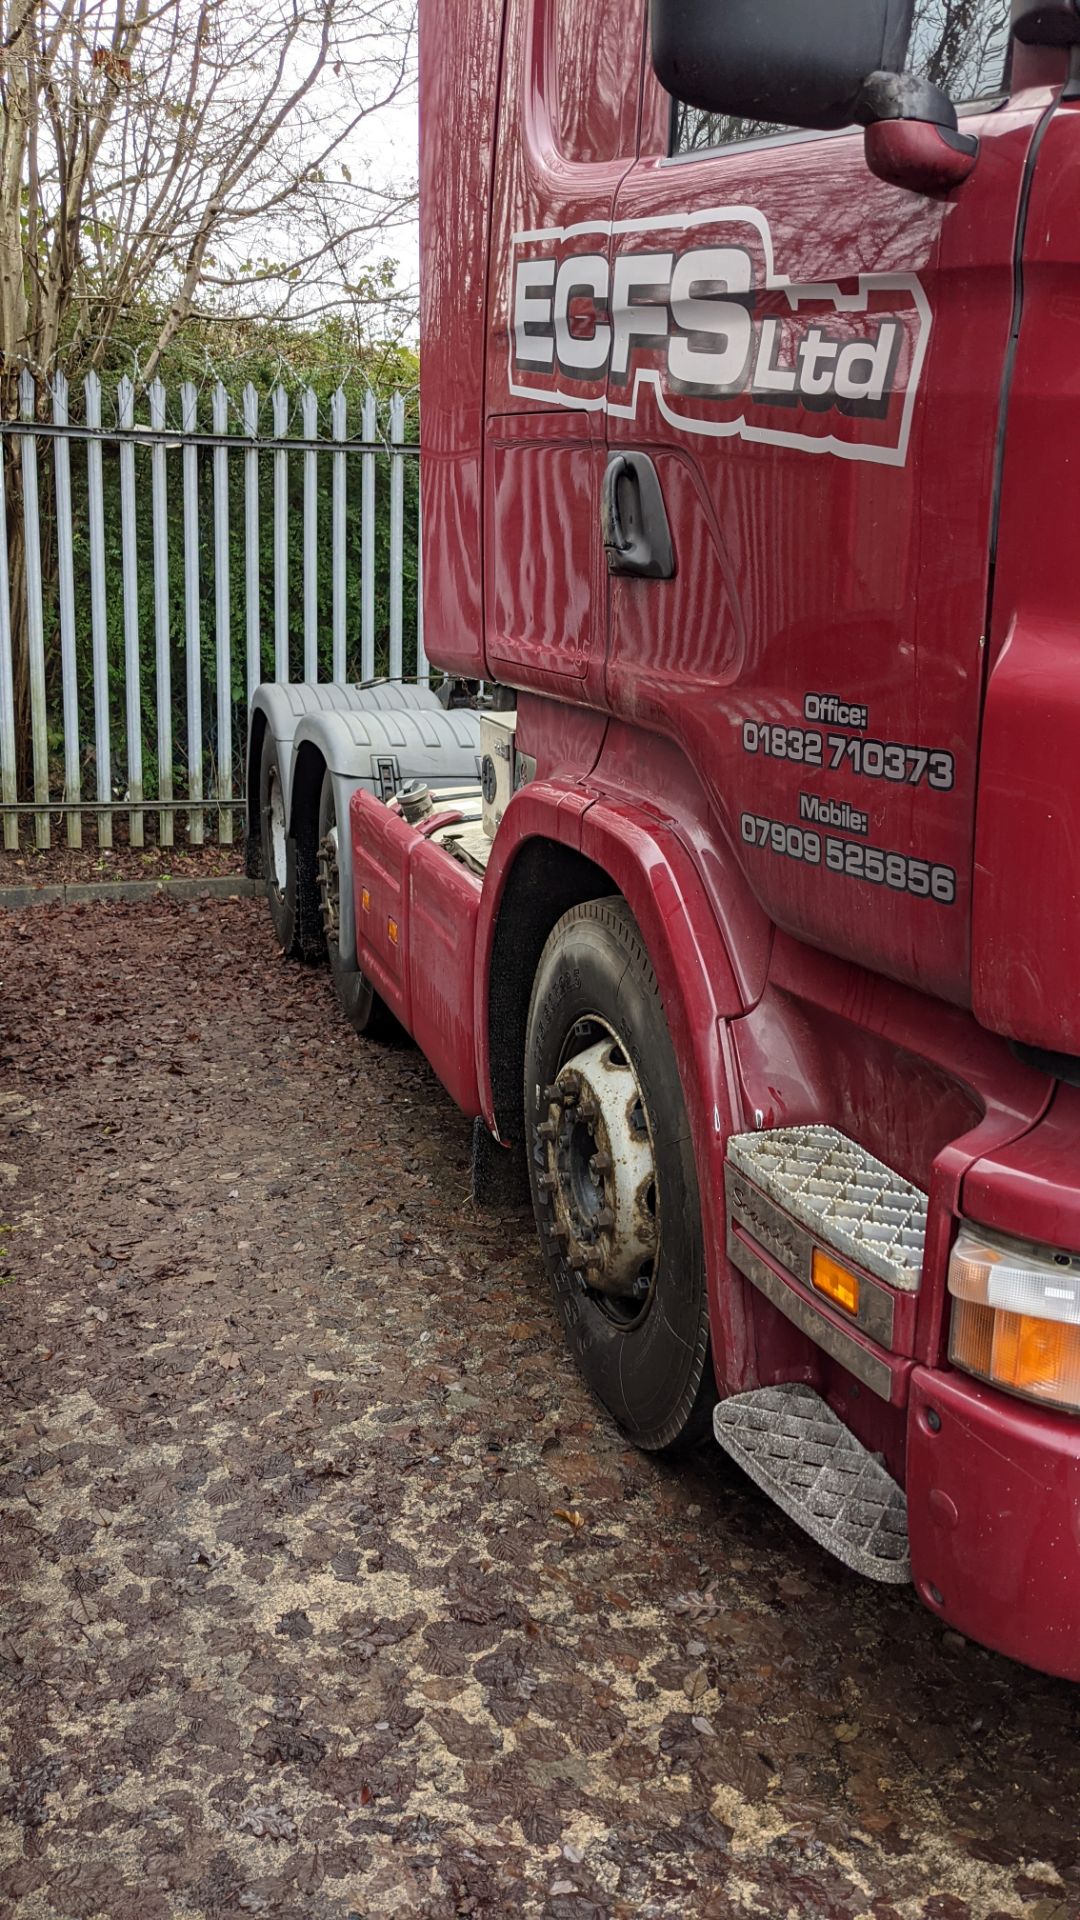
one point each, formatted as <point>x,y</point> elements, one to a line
<point>20,642</point>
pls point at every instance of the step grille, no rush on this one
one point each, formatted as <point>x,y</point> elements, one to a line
<point>798,1451</point>
<point>841,1194</point>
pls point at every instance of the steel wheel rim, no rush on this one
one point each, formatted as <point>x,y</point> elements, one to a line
<point>275,811</point>
<point>599,1179</point>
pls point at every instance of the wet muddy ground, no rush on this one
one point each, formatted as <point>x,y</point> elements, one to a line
<point>328,1592</point>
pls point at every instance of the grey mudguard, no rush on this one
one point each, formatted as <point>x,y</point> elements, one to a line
<point>376,737</point>
<point>286,706</point>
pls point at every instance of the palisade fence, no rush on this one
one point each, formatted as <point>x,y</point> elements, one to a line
<point>173,556</point>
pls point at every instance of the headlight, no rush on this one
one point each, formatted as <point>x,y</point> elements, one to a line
<point>1016,1316</point>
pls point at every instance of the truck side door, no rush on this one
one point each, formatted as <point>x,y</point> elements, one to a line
<point>813,360</point>
<point>568,123</point>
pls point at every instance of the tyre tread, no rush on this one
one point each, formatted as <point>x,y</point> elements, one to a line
<point>691,1422</point>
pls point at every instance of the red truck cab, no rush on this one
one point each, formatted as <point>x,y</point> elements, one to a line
<point>748,480</point>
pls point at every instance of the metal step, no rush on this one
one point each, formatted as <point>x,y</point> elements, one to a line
<point>843,1196</point>
<point>797,1451</point>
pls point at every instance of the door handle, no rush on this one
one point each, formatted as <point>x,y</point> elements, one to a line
<point>633,519</point>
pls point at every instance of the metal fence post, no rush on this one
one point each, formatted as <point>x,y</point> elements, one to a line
<point>281,536</point>
<point>368,429</point>
<point>8,789</point>
<point>99,623</point>
<point>252,608</point>
<point>65,581</point>
<point>222,635</point>
<point>35,625</point>
<point>125,408</point>
<point>339,429</point>
<point>310,412</point>
<point>159,506</point>
<point>397,529</point>
<point>189,409</point>
<point>423,670</point>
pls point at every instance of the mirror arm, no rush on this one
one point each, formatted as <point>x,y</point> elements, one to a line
<point>903,96</point>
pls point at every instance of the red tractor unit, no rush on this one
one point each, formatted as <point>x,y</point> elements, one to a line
<point>741,909</point>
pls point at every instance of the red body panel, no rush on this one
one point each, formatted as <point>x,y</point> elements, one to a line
<point>994,1517</point>
<point>1032,1188</point>
<point>459,89</point>
<point>1027,849</point>
<point>560,159</point>
<point>416,915</point>
<point>836,784</point>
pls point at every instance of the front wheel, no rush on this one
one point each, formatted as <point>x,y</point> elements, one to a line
<point>613,1177</point>
<point>358,1000</point>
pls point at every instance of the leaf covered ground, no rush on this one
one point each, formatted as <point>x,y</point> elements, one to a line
<point>326,1589</point>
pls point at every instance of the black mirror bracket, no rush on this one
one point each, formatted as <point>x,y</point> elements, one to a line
<point>903,96</point>
<point>912,139</point>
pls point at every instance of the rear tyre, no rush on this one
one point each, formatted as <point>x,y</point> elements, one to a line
<point>358,1000</point>
<point>279,862</point>
<point>613,1178</point>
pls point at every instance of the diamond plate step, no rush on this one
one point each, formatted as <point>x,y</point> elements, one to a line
<point>797,1451</point>
<point>842,1195</point>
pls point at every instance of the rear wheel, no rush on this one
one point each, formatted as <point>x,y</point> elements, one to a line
<point>614,1183</point>
<point>358,999</point>
<point>278,849</point>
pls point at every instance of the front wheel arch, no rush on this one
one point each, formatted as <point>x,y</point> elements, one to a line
<point>546,879</point>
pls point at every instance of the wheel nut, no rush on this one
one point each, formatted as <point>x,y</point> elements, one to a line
<point>601,1163</point>
<point>605,1217</point>
<point>547,1182</point>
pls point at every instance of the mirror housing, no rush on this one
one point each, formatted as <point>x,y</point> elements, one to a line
<point>1046,23</point>
<point>912,138</point>
<point>786,61</point>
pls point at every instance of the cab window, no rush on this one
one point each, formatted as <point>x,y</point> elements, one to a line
<point>961,45</point>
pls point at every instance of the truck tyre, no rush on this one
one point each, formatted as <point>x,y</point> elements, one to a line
<point>613,1177</point>
<point>278,849</point>
<point>358,1000</point>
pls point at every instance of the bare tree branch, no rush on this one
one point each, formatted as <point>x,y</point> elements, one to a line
<point>141,144</point>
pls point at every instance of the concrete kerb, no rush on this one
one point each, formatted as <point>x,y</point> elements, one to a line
<point>75,892</point>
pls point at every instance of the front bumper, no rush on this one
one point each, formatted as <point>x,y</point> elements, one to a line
<point>993,1490</point>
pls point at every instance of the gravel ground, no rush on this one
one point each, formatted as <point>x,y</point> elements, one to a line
<point>58,864</point>
<point>327,1590</point>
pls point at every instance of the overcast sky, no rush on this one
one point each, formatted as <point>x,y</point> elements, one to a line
<point>388,143</point>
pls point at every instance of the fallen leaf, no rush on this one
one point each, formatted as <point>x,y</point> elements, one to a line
<point>569,1516</point>
<point>696,1683</point>
<point>268,1823</point>
<point>848,1730</point>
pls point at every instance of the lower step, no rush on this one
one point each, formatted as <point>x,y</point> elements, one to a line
<point>798,1452</point>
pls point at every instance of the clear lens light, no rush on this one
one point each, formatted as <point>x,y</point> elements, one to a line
<point>1015,1276</point>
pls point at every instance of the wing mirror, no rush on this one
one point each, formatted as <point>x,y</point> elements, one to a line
<point>821,66</point>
